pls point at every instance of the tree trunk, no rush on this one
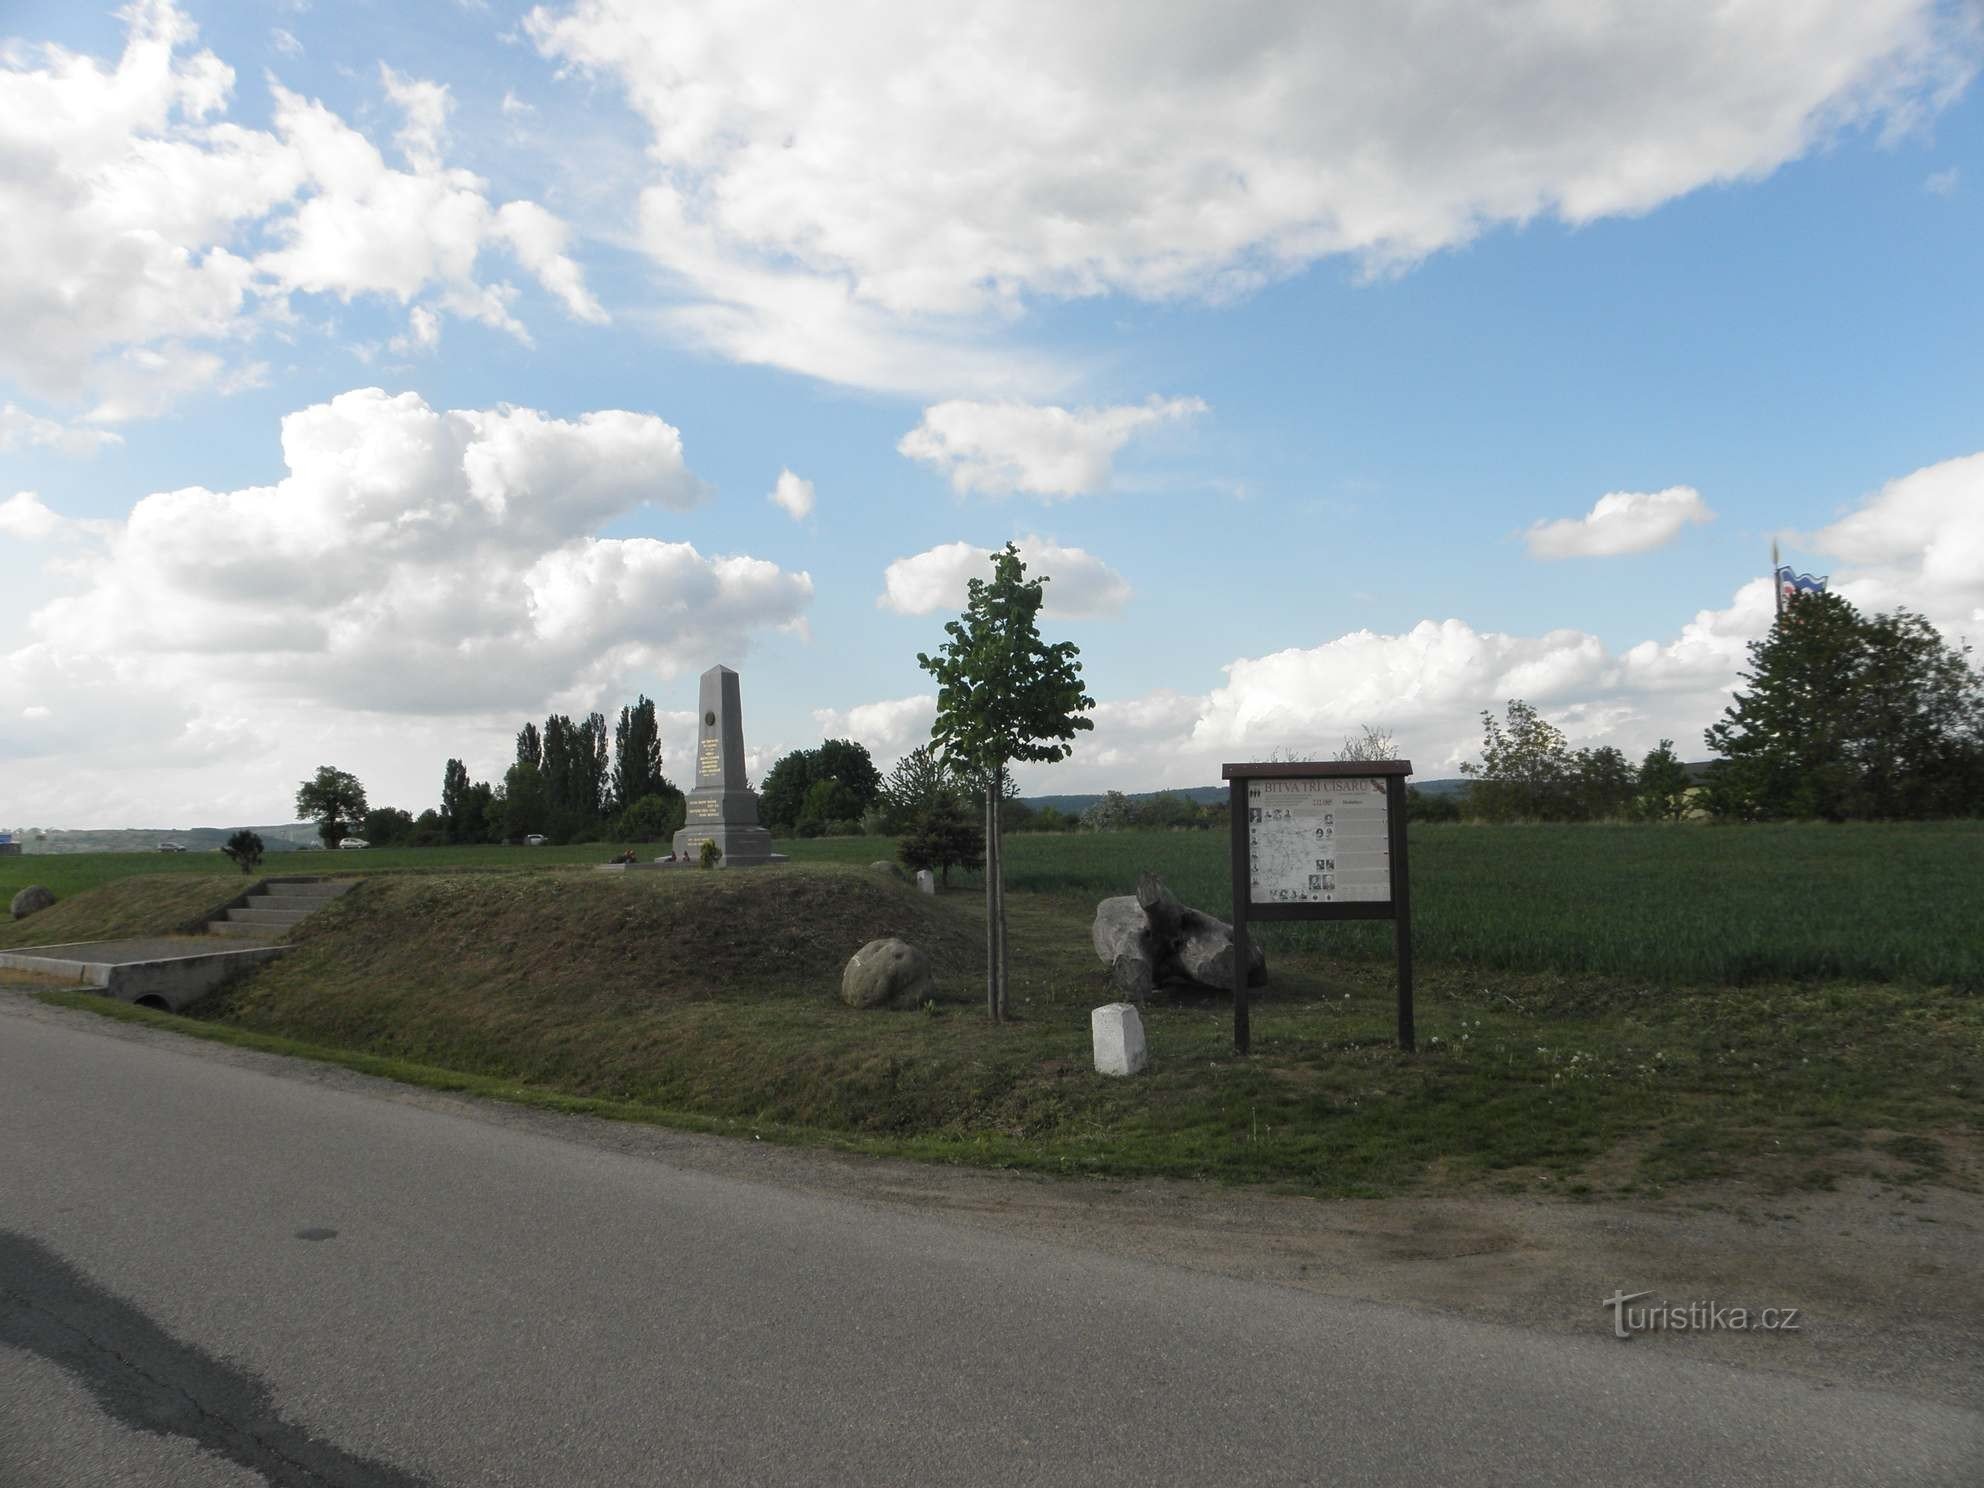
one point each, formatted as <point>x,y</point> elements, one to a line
<point>999,837</point>
<point>991,917</point>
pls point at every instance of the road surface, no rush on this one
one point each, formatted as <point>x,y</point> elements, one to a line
<point>213,1272</point>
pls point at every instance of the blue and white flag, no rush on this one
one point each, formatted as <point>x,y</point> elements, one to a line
<point>1791,585</point>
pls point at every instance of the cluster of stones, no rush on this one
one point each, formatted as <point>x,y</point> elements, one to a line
<point>1148,939</point>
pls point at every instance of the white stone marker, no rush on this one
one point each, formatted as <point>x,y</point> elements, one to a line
<point>1119,1039</point>
<point>926,880</point>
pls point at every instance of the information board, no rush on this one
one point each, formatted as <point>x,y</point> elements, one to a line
<point>1318,842</point>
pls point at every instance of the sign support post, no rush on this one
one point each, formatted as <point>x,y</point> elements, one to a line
<point>1319,841</point>
<point>1241,1030</point>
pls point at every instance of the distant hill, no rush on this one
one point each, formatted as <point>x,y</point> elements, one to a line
<point>284,838</point>
<point>1204,795</point>
<point>1198,795</point>
<point>1201,795</point>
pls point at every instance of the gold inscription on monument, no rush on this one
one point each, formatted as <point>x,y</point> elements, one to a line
<point>709,759</point>
<point>703,809</point>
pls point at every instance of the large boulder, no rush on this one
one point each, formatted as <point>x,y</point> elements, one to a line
<point>888,973</point>
<point>32,900</point>
<point>1148,938</point>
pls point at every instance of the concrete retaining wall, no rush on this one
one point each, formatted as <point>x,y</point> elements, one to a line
<point>177,981</point>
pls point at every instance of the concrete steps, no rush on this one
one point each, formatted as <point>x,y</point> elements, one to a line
<point>173,971</point>
<point>278,908</point>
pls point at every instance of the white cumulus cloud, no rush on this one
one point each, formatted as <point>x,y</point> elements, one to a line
<point>23,516</point>
<point>792,495</point>
<point>889,729</point>
<point>423,562</point>
<point>1917,541</point>
<point>1620,522</point>
<point>136,259</point>
<point>855,191</point>
<point>1000,448</point>
<point>20,429</point>
<point>1081,586</point>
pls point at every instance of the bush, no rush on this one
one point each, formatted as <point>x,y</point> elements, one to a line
<point>653,818</point>
<point>943,836</point>
<point>1421,807</point>
<point>245,849</point>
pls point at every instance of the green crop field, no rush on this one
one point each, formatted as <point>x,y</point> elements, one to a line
<point>1686,905</point>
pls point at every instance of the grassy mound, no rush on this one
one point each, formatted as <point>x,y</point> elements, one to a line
<point>707,992</point>
<point>154,904</point>
<point>645,937</point>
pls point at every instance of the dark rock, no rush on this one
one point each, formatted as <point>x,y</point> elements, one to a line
<point>1149,938</point>
<point>32,900</point>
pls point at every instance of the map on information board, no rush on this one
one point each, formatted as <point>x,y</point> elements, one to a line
<point>1322,841</point>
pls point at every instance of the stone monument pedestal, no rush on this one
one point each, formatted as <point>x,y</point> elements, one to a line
<point>721,809</point>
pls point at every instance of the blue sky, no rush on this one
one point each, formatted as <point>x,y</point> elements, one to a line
<point>1281,338</point>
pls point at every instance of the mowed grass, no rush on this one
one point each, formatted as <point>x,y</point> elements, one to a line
<point>708,1001</point>
<point>124,907</point>
<point>1678,906</point>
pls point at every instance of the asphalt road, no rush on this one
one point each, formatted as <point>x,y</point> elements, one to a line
<point>212,1273</point>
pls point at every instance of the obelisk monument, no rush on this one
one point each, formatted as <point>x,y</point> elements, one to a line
<point>722,809</point>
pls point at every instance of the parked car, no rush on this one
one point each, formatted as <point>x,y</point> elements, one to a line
<point>354,842</point>
<point>171,847</point>
<point>535,839</point>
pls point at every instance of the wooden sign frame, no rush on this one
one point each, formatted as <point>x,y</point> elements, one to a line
<point>1397,909</point>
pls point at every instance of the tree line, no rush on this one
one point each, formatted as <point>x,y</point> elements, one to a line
<point>572,781</point>
<point>1843,717</point>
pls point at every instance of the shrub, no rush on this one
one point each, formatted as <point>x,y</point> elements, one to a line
<point>245,849</point>
<point>653,818</point>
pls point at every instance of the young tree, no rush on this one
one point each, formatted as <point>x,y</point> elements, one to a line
<point>1003,694</point>
<point>332,798</point>
<point>1663,784</point>
<point>244,849</point>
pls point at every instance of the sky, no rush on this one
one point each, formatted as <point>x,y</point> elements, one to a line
<point>375,377</point>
